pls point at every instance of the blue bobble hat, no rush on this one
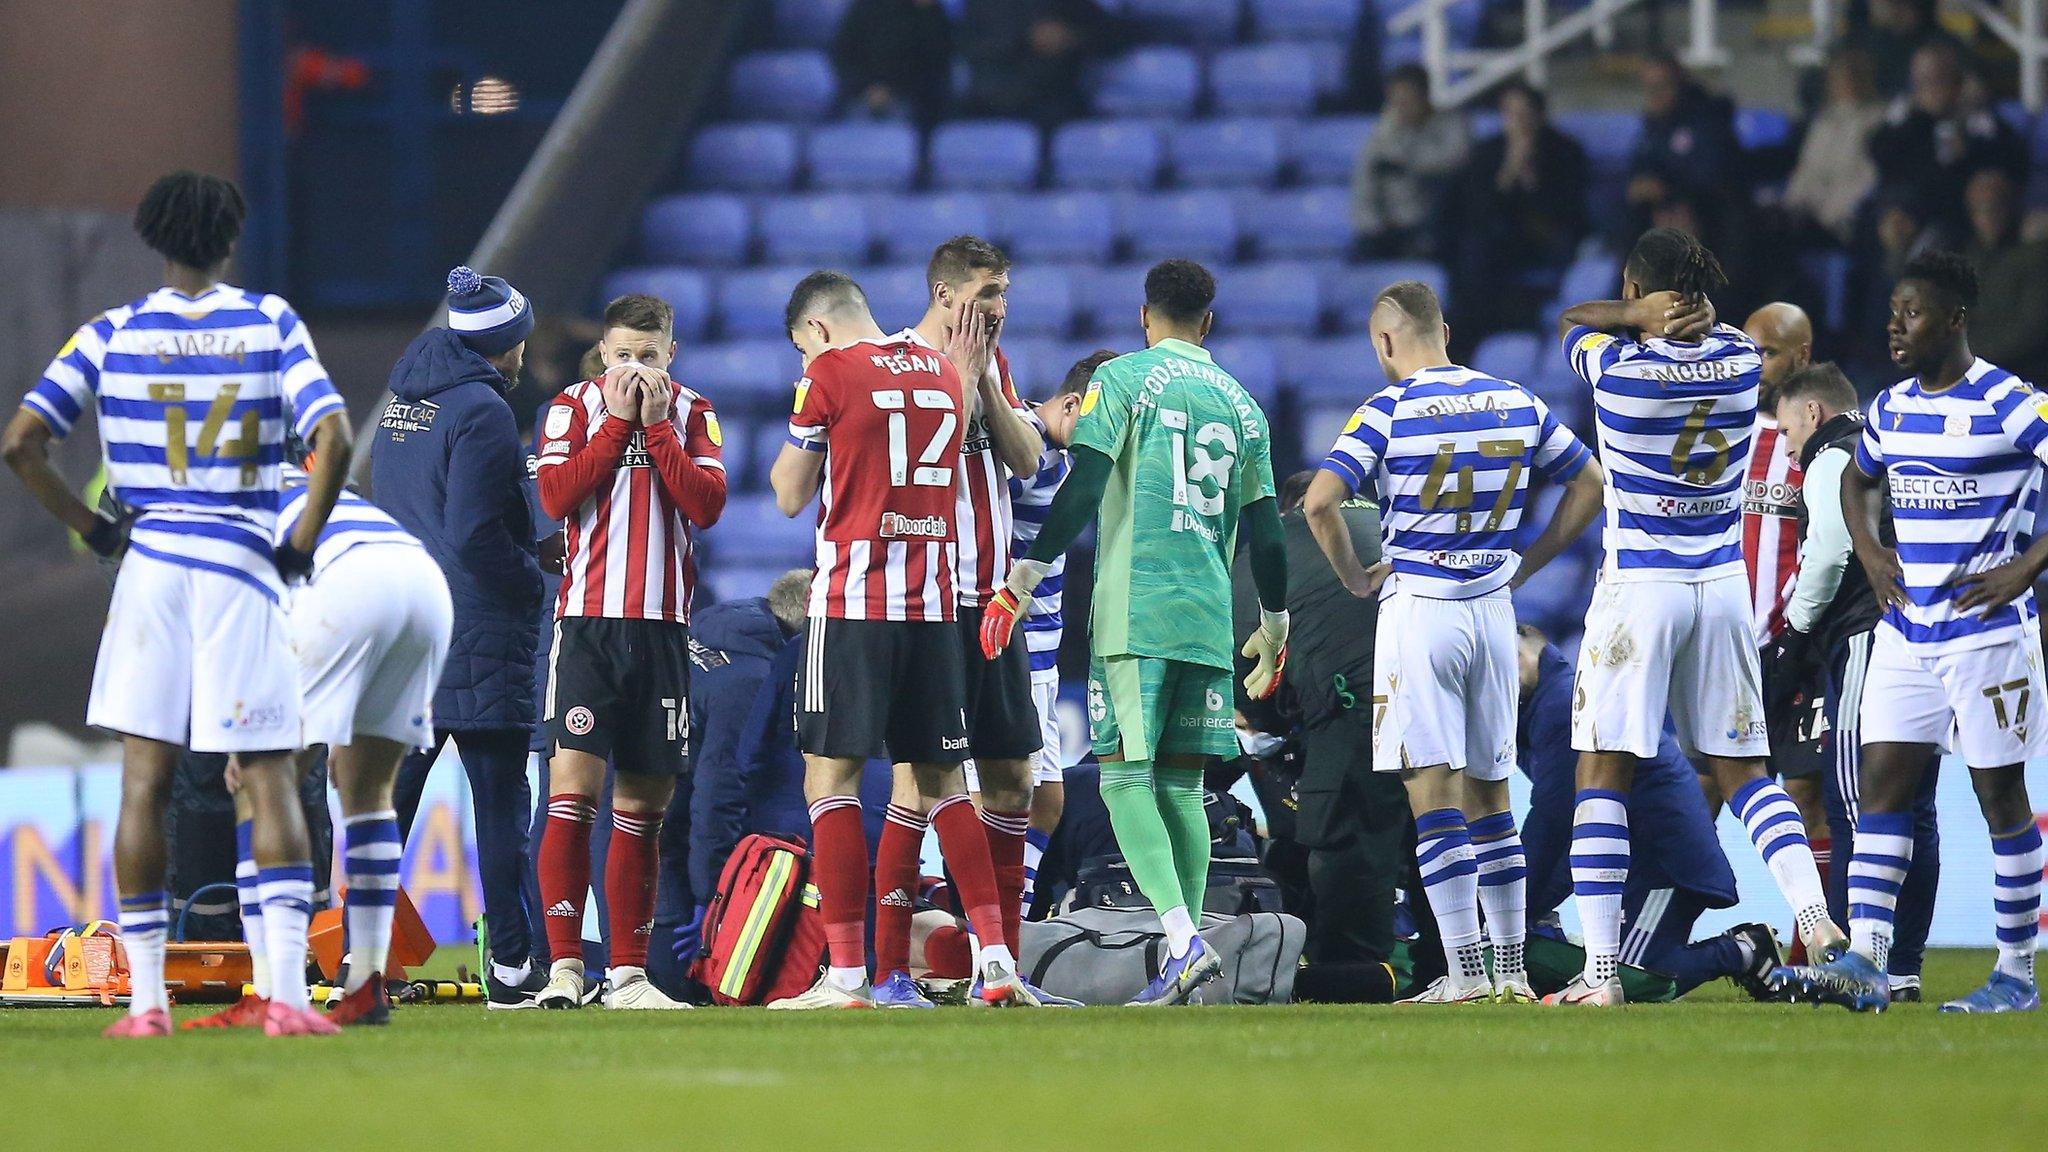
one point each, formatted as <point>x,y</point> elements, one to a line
<point>487,314</point>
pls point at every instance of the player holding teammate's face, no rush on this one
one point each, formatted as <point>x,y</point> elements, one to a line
<point>1922,327</point>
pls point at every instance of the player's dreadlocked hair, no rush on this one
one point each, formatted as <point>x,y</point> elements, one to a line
<point>1668,260</point>
<point>191,218</point>
<point>1949,273</point>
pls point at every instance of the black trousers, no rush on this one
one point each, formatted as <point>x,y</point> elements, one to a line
<point>495,762</point>
<point>1354,822</point>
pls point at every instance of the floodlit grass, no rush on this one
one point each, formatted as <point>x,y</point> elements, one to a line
<point>1714,1072</point>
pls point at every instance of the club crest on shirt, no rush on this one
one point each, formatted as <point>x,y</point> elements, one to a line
<point>1956,424</point>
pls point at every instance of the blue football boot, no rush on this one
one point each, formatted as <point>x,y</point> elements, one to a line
<point>900,991</point>
<point>1179,978</point>
<point>2001,993</point>
<point>1851,981</point>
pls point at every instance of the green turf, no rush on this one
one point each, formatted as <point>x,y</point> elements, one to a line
<point>1714,1072</point>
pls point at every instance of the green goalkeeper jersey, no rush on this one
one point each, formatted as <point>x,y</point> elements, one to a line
<point>1191,449</point>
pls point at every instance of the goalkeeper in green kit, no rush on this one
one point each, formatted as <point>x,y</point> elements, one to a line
<point>1173,453</point>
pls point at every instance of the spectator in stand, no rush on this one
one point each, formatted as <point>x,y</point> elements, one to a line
<point>1901,226</point>
<point>1898,29</point>
<point>1835,173</point>
<point>1687,151</point>
<point>1932,142</point>
<point>1403,169</point>
<point>1025,57</point>
<point>895,59</point>
<point>2009,326</point>
<point>1516,215</point>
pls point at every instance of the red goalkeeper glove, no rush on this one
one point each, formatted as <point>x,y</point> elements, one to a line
<point>1009,604</point>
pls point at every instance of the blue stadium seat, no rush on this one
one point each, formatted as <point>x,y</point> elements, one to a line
<point>862,157</point>
<point>728,582</point>
<point>1608,136</point>
<point>1109,299</point>
<point>909,227</point>
<point>1594,274</point>
<point>1186,21</point>
<point>1032,359</point>
<point>1558,386</point>
<point>1333,21</point>
<point>1762,127</point>
<point>1106,154</point>
<point>1339,372</point>
<point>808,23</point>
<point>1254,362</point>
<point>1196,225</point>
<point>984,154</point>
<point>750,303</point>
<point>739,428</point>
<point>1268,79</point>
<point>1060,226</point>
<point>1325,149</point>
<point>1510,355</point>
<point>684,290</point>
<point>745,370</point>
<point>1234,152</point>
<point>1352,289</point>
<point>898,295</point>
<point>707,228</point>
<point>1041,301</point>
<point>793,85</point>
<point>822,229</point>
<point>1155,81</point>
<point>744,157</point>
<point>755,529</point>
<point>1301,222</point>
<point>1279,297</point>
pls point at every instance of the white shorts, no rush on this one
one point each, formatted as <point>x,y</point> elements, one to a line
<point>197,659</point>
<point>1984,704</point>
<point>1051,767</point>
<point>1444,684</point>
<point>371,633</point>
<point>1654,646</point>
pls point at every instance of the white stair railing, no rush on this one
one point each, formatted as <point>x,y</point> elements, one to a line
<point>1457,76</point>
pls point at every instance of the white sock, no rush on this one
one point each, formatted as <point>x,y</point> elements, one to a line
<point>997,953</point>
<point>2016,859</point>
<point>252,912</point>
<point>1878,861</point>
<point>1779,833</point>
<point>623,974</point>
<point>509,976</point>
<point>372,850</point>
<point>145,922</point>
<point>1503,889</point>
<point>847,979</point>
<point>1180,931</point>
<point>1443,850</point>
<point>1599,861</point>
<point>287,896</point>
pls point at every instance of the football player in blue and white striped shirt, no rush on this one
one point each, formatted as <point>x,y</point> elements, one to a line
<point>1043,624</point>
<point>196,385</point>
<point>1958,446</point>
<point>1451,452</point>
<point>1669,626</point>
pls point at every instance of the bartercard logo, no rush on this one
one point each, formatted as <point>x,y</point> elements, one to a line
<point>895,525</point>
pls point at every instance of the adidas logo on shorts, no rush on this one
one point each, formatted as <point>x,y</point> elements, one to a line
<point>562,908</point>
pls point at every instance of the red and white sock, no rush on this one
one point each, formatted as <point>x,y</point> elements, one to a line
<point>629,873</point>
<point>965,848</point>
<point>839,864</point>
<point>1006,831</point>
<point>897,872</point>
<point>564,867</point>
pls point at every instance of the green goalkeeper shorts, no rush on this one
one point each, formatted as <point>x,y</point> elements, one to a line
<point>1146,708</point>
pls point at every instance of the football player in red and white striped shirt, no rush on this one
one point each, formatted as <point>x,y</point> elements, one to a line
<point>1770,546</point>
<point>631,461</point>
<point>875,435</point>
<point>1003,732</point>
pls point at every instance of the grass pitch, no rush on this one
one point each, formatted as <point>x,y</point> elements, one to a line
<point>1714,1072</point>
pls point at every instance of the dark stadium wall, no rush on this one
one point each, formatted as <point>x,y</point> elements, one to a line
<point>97,98</point>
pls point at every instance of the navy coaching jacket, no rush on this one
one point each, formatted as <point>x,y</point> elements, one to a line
<point>449,467</point>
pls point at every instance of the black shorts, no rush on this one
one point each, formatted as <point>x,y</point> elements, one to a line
<point>620,689</point>
<point>1799,744</point>
<point>1002,718</point>
<point>890,688</point>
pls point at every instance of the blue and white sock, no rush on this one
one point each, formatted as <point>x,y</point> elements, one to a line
<point>252,911</point>
<point>1779,833</point>
<point>1883,853</point>
<point>1503,889</point>
<point>372,850</point>
<point>1443,849</point>
<point>1600,857</point>
<point>2016,858</point>
<point>286,893</point>
<point>1035,844</point>
<point>145,921</point>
